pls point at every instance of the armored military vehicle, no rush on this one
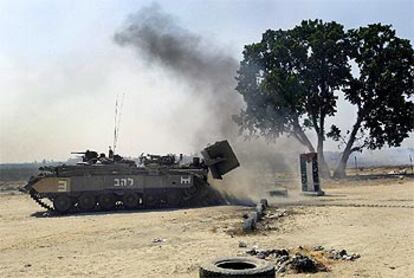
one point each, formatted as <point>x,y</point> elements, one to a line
<point>106,183</point>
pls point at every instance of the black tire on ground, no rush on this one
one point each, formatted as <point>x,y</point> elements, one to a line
<point>107,201</point>
<point>130,200</point>
<point>86,201</point>
<point>237,267</point>
<point>62,203</point>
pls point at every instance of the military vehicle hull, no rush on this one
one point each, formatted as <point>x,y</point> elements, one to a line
<point>123,185</point>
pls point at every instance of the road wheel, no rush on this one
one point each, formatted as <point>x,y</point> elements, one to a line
<point>130,200</point>
<point>174,199</point>
<point>86,201</point>
<point>152,201</point>
<point>190,192</point>
<point>62,203</point>
<point>237,267</point>
<point>107,201</point>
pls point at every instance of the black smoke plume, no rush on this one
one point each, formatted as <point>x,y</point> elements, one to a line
<point>209,71</point>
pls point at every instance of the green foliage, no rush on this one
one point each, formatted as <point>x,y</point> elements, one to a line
<point>384,89</point>
<point>288,79</point>
<point>334,133</point>
<point>291,78</point>
<point>270,86</point>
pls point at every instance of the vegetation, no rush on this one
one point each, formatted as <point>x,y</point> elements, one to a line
<point>291,80</point>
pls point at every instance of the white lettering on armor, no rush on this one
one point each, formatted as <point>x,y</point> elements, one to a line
<point>186,180</point>
<point>62,186</point>
<point>123,182</point>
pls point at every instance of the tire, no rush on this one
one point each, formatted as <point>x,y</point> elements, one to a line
<point>130,200</point>
<point>62,203</point>
<point>237,267</point>
<point>107,201</point>
<point>86,201</point>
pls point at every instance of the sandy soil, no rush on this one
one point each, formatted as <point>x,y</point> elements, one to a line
<point>373,218</point>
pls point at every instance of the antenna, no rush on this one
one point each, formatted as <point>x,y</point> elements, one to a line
<point>119,103</point>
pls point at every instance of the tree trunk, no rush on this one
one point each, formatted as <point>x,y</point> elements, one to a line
<point>340,169</point>
<point>323,166</point>
<point>303,139</point>
<point>320,131</point>
<point>301,136</point>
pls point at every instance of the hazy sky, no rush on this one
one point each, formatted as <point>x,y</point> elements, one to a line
<point>60,70</point>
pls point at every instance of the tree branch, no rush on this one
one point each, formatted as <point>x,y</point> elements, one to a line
<point>355,149</point>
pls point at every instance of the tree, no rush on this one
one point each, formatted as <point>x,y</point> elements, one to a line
<point>288,81</point>
<point>271,88</point>
<point>382,93</point>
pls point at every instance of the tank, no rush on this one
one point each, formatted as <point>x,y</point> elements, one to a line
<point>107,183</point>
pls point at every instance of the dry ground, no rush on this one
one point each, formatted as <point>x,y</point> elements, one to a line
<point>120,244</point>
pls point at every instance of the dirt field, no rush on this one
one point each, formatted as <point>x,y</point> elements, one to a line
<point>372,218</point>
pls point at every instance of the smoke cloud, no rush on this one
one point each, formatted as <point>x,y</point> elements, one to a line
<point>208,71</point>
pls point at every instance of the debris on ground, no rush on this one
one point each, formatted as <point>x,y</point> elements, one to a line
<point>301,259</point>
<point>301,263</point>
<point>256,222</point>
<point>278,192</point>
<point>267,253</point>
<point>342,255</point>
<point>242,244</point>
<point>158,240</point>
<point>318,248</point>
<point>261,218</point>
<point>250,220</point>
<point>398,172</point>
<point>280,214</point>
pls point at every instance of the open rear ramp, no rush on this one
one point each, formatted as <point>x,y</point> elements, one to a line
<point>220,158</point>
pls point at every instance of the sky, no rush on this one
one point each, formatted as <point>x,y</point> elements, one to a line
<point>61,71</point>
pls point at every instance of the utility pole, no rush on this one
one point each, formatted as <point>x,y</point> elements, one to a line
<point>356,164</point>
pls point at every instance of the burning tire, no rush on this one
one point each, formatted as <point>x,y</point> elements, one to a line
<point>237,267</point>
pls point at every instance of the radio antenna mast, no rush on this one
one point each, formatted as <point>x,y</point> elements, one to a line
<point>119,103</point>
